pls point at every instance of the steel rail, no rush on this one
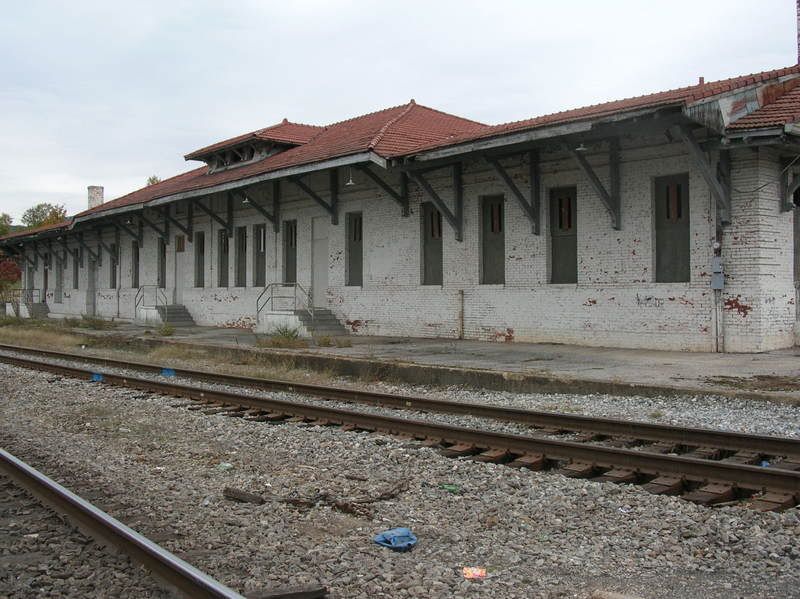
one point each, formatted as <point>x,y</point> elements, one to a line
<point>743,476</point>
<point>686,436</point>
<point>169,568</point>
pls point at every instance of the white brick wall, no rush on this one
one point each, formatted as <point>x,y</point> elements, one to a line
<point>615,303</point>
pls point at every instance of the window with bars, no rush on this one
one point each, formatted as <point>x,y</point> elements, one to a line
<point>493,247</point>
<point>672,229</point>
<point>563,235</point>
<point>354,249</point>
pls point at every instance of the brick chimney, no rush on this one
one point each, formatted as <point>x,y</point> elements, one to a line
<point>96,192</point>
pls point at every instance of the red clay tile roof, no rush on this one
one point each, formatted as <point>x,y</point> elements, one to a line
<point>40,229</point>
<point>285,132</point>
<point>784,110</point>
<point>679,96</point>
<point>400,128</point>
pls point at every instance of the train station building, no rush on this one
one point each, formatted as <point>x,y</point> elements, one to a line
<point>664,221</point>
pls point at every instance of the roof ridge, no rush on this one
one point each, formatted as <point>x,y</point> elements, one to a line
<point>699,86</point>
<point>286,121</point>
<point>450,114</point>
<point>366,114</point>
<point>376,140</point>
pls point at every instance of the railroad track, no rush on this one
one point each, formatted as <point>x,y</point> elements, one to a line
<point>175,573</point>
<point>711,466</point>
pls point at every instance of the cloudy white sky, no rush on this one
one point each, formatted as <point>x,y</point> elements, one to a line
<point>109,93</point>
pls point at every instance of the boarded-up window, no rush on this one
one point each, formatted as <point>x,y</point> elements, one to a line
<point>355,249</point>
<point>76,265</point>
<point>112,267</point>
<point>563,235</point>
<point>135,264</point>
<point>180,244</point>
<point>259,255</point>
<point>199,259</point>
<point>223,260</point>
<point>493,245</point>
<point>241,256</point>
<point>290,251</point>
<point>162,263</point>
<point>431,245</point>
<point>672,229</point>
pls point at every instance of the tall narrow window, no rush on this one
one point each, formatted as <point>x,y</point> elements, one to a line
<point>563,235</point>
<point>200,259</point>
<point>493,241</point>
<point>135,264</point>
<point>112,268</point>
<point>241,257</point>
<point>354,249</point>
<point>259,255</point>
<point>290,251</point>
<point>59,293</point>
<point>76,265</point>
<point>222,258</point>
<point>432,261</point>
<point>672,229</point>
<point>162,263</point>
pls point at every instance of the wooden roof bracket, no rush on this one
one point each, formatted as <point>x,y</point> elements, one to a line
<point>37,255</point>
<point>87,249</point>
<point>162,233</point>
<point>610,197</point>
<point>790,183</point>
<point>331,207</point>
<point>720,190</point>
<point>532,207</point>
<point>274,216</point>
<point>401,197</point>
<point>456,216</point>
<point>189,228</point>
<point>107,248</point>
<point>138,236</point>
<point>226,223</point>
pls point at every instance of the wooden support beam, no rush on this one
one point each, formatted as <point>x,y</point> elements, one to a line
<point>401,197</point>
<point>162,233</point>
<point>125,229</point>
<point>276,205</point>
<point>331,207</point>
<point>169,219</point>
<point>530,207</point>
<point>249,200</point>
<point>107,248</point>
<point>789,184</point>
<point>227,224</point>
<point>87,249</point>
<point>721,195</point>
<point>610,198</point>
<point>456,216</point>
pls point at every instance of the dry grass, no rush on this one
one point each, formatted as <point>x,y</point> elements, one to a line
<point>343,342</point>
<point>46,337</point>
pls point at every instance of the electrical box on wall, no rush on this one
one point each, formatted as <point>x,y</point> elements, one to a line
<point>717,276</point>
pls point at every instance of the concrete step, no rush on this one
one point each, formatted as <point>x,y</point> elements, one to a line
<point>175,315</point>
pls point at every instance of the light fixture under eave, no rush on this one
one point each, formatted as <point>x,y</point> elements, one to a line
<point>350,181</point>
<point>245,201</point>
<point>581,148</point>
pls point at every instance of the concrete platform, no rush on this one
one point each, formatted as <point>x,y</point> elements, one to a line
<point>523,366</point>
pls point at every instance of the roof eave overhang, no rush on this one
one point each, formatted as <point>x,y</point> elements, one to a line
<point>302,169</point>
<point>535,134</point>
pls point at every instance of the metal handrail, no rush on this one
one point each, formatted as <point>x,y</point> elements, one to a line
<point>159,299</point>
<point>27,296</point>
<point>268,296</point>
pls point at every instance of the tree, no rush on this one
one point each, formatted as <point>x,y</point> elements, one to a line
<point>43,214</point>
<point>153,179</point>
<point>5,223</point>
<point>9,274</point>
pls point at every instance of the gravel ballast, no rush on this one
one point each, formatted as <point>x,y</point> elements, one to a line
<point>163,469</point>
<point>42,556</point>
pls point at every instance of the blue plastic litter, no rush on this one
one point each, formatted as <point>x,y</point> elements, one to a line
<point>167,372</point>
<point>764,464</point>
<point>396,539</point>
<point>97,377</point>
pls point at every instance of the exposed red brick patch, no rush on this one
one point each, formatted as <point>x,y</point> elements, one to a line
<point>733,303</point>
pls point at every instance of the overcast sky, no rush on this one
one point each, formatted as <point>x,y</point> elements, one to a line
<point>106,93</point>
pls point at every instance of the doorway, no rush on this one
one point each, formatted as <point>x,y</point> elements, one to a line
<point>320,256</point>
